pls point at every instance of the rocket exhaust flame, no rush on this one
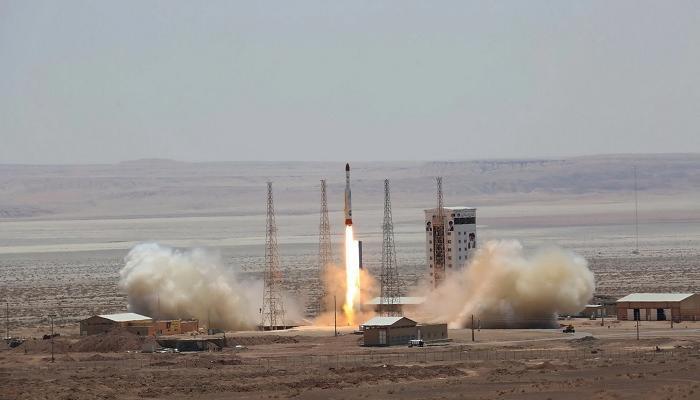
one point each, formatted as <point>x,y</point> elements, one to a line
<point>352,276</point>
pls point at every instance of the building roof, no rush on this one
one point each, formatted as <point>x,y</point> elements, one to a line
<point>654,297</point>
<point>405,300</point>
<point>125,317</point>
<point>390,321</point>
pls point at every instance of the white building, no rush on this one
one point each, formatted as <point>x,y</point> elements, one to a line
<point>449,250</point>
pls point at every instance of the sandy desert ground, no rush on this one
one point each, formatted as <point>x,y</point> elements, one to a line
<point>598,362</point>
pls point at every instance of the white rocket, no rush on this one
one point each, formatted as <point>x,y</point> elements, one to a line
<point>348,201</point>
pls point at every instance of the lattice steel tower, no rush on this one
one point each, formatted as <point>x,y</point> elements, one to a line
<point>439,238</point>
<point>325,254</point>
<point>272,311</point>
<point>391,289</point>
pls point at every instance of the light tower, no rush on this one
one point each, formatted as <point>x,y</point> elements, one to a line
<point>272,311</point>
<point>438,229</point>
<point>325,255</point>
<point>390,290</point>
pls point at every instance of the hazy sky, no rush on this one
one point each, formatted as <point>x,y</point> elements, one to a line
<point>106,81</point>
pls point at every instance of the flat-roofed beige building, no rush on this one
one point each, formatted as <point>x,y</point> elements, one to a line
<point>397,331</point>
<point>659,307</point>
<point>132,322</point>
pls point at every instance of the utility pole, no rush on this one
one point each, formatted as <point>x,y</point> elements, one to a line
<point>272,305</point>
<point>325,254</point>
<point>335,316</point>
<point>390,290</point>
<point>636,214</point>
<point>637,329</point>
<point>7,320</point>
<point>52,317</point>
<point>473,328</point>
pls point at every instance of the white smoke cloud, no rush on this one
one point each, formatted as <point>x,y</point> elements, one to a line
<point>170,283</point>
<point>502,287</point>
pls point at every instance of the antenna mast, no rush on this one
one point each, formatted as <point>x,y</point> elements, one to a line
<point>390,283</point>
<point>325,255</point>
<point>636,214</point>
<point>272,306</point>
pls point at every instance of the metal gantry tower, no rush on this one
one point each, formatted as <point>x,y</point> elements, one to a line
<point>391,289</point>
<point>439,238</point>
<point>272,311</point>
<point>325,255</point>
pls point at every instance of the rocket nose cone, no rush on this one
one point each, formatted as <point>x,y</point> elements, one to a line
<point>347,167</point>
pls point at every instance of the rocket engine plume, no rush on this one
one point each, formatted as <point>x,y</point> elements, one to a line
<point>352,276</point>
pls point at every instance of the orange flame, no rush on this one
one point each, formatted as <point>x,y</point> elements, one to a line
<point>352,276</point>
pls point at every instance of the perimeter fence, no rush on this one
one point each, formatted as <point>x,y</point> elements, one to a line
<point>420,356</point>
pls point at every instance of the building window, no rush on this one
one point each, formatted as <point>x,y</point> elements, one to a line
<point>449,257</point>
<point>449,242</point>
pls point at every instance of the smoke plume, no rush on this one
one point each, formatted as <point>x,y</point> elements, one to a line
<point>504,288</point>
<point>168,283</point>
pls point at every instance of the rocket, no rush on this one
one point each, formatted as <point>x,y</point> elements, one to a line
<point>348,201</point>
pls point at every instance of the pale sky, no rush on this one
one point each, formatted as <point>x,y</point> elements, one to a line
<point>107,81</point>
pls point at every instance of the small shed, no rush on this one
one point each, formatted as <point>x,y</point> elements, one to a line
<point>389,331</point>
<point>132,322</point>
<point>659,307</point>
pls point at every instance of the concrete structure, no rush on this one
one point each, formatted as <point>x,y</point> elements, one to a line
<point>193,344</point>
<point>459,240</point>
<point>402,304</point>
<point>173,327</point>
<point>392,331</point>
<point>134,323</point>
<point>593,311</point>
<point>659,307</point>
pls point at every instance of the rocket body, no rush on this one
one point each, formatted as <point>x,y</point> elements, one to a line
<point>348,199</point>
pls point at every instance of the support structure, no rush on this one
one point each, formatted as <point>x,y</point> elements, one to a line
<point>272,311</point>
<point>438,227</point>
<point>325,255</point>
<point>391,289</point>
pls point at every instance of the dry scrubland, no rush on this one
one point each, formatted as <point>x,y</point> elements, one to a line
<point>312,364</point>
<point>64,231</point>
